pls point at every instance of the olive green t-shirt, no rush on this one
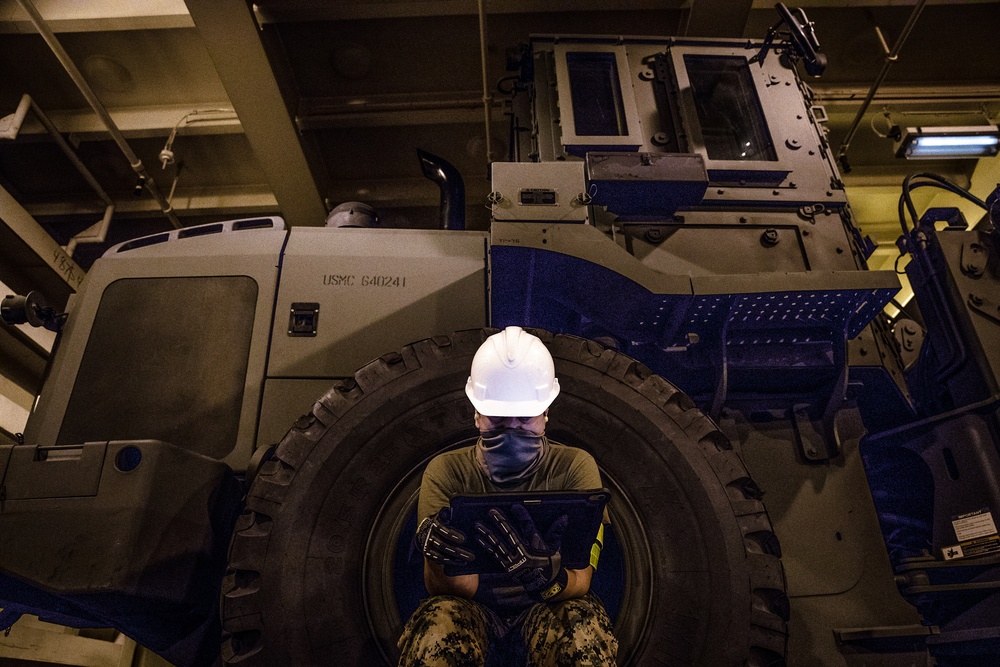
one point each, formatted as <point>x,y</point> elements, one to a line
<point>451,473</point>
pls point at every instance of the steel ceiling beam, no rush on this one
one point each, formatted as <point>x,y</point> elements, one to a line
<point>99,16</point>
<point>32,258</point>
<point>138,122</point>
<point>391,109</point>
<point>943,91</point>
<point>236,201</point>
<point>277,11</point>
<point>717,18</point>
<point>229,200</point>
<point>156,121</point>
<point>231,37</point>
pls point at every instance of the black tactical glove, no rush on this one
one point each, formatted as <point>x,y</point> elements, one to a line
<point>441,543</point>
<point>531,562</point>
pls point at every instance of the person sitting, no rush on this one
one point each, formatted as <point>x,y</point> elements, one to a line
<point>536,609</point>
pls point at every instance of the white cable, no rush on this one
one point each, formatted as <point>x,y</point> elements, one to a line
<point>167,153</point>
<point>877,133</point>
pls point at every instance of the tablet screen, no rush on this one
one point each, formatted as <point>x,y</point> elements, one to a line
<point>585,510</point>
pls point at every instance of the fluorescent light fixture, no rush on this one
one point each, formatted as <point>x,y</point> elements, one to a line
<point>971,141</point>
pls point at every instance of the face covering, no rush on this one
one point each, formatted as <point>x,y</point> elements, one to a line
<point>507,455</point>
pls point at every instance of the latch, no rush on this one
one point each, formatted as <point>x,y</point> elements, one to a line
<point>303,319</point>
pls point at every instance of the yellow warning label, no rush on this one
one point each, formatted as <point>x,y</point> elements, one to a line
<point>972,548</point>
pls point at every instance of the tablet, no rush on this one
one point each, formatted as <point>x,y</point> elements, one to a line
<point>585,510</point>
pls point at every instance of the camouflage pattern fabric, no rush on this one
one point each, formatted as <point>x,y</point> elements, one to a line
<point>571,633</point>
<point>449,631</point>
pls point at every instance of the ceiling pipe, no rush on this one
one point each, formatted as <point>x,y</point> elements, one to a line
<point>144,176</point>
<point>890,58</point>
<point>487,98</point>
<point>10,127</point>
<point>96,233</point>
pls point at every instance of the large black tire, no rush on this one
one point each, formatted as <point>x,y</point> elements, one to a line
<point>313,555</point>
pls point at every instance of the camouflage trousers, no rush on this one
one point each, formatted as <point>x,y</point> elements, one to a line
<point>449,631</point>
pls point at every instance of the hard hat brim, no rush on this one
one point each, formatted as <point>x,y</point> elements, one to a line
<point>493,408</point>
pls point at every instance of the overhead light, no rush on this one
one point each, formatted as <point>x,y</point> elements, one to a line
<point>972,141</point>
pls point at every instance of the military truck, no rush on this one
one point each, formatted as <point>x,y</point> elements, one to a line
<point>229,442</point>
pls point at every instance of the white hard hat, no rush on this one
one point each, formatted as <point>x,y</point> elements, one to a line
<point>512,376</point>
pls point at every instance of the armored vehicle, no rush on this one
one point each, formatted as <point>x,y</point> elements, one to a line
<point>229,442</point>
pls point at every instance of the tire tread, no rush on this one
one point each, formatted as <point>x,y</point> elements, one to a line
<point>243,593</point>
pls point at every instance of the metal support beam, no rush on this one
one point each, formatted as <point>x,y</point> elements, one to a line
<point>44,248</point>
<point>99,16</point>
<point>231,201</point>
<point>324,10</point>
<point>138,122</point>
<point>41,259</point>
<point>845,98</point>
<point>459,107</point>
<point>717,18</point>
<point>235,201</point>
<point>231,37</point>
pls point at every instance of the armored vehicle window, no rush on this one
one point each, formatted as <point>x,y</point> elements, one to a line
<point>729,111</point>
<point>598,110</point>
<point>166,360</point>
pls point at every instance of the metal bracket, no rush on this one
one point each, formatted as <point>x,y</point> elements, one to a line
<point>875,635</point>
<point>985,307</point>
<point>661,69</point>
<point>722,385</point>
<point>920,576</point>
<point>950,215</point>
<point>910,337</point>
<point>801,40</point>
<point>818,444</point>
<point>823,444</point>
<point>974,258</point>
